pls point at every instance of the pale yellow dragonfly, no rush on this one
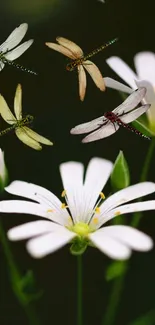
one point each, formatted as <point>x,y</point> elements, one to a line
<point>17,122</point>
<point>79,61</point>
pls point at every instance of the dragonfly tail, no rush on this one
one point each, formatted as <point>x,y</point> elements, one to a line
<point>18,66</point>
<point>132,129</point>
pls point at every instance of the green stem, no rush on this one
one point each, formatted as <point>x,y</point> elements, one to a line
<point>119,282</point>
<point>79,290</point>
<point>114,301</point>
<point>16,279</point>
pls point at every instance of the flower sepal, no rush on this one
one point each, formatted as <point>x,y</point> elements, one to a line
<point>79,245</point>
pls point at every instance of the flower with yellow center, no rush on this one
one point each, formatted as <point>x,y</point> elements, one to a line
<point>144,77</point>
<point>80,220</point>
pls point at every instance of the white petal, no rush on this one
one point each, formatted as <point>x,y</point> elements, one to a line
<point>127,208</point>
<point>123,70</point>
<point>47,199</point>
<point>111,83</point>
<point>145,66</point>
<point>18,51</point>
<point>97,174</point>
<point>32,229</point>
<point>129,236</point>
<point>150,93</point>
<point>127,194</point>
<point>109,246</point>
<point>72,179</point>
<point>149,98</point>
<point>82,82</point>
<point>14,38</point>
<point>49,243</point>
<point>17,206</point>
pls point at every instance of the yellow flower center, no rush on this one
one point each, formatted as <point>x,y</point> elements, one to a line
<point>81,229</point>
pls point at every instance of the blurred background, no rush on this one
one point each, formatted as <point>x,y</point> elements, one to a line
<point>52,98</point>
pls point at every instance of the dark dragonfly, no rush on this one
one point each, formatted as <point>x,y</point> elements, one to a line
<point>110,122</point>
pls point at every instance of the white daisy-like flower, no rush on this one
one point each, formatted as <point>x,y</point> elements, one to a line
<point>81,220</point>
<point>144,77</point>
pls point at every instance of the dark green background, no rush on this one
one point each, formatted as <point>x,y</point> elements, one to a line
<point>52,98</point>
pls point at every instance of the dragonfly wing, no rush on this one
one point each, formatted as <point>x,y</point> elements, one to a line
<point>22,135</point>
<point>74,48</point>
<point>61,49</point>
<point>103,132</point>
<point>95,74</point>
<point>131,116</point>
<point>14,38</point>
<point>5,111</point>
<point>37,137</point>
<point>18,51</point>
<point>18,102</point>
<point>1,65</point>
<point>131,102</point>
<point>82,82</point>
<point>89,126</point>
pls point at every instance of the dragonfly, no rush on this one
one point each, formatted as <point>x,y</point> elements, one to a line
<point>9,52</point>
<point>110,122</point>
<point>80,61</point>
<point>18,123</point>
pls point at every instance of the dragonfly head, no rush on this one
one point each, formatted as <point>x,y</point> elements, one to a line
<point>69,67</point>
<point>29,118</point>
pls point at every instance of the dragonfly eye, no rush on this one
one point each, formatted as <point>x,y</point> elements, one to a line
<point>30,118</point>
<point>69,67</point>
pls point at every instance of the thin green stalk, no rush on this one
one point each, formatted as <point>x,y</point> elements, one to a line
<point>114,301</point>
<point>115,296</point>
<point>16,280</point>
<point>79,290</point>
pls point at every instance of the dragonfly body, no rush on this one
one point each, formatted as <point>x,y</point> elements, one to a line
<point>16,65</point>
<point>115,118</point>
<point>110,122</point>
<point>81,62</point>
<point>72,65</point>
<point>19,123</point>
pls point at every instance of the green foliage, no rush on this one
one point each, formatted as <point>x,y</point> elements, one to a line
<point>115,270</point>
<point>147,319</point>
<point>120,177</point>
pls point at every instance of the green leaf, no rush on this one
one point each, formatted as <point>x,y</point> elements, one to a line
<point>147,319</point>
<point>115,269</point>
<point>120,177</point>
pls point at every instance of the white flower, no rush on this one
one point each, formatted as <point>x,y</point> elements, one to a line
<point>144,77</point>
<point>81,220</point>
<point>3,171</point>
